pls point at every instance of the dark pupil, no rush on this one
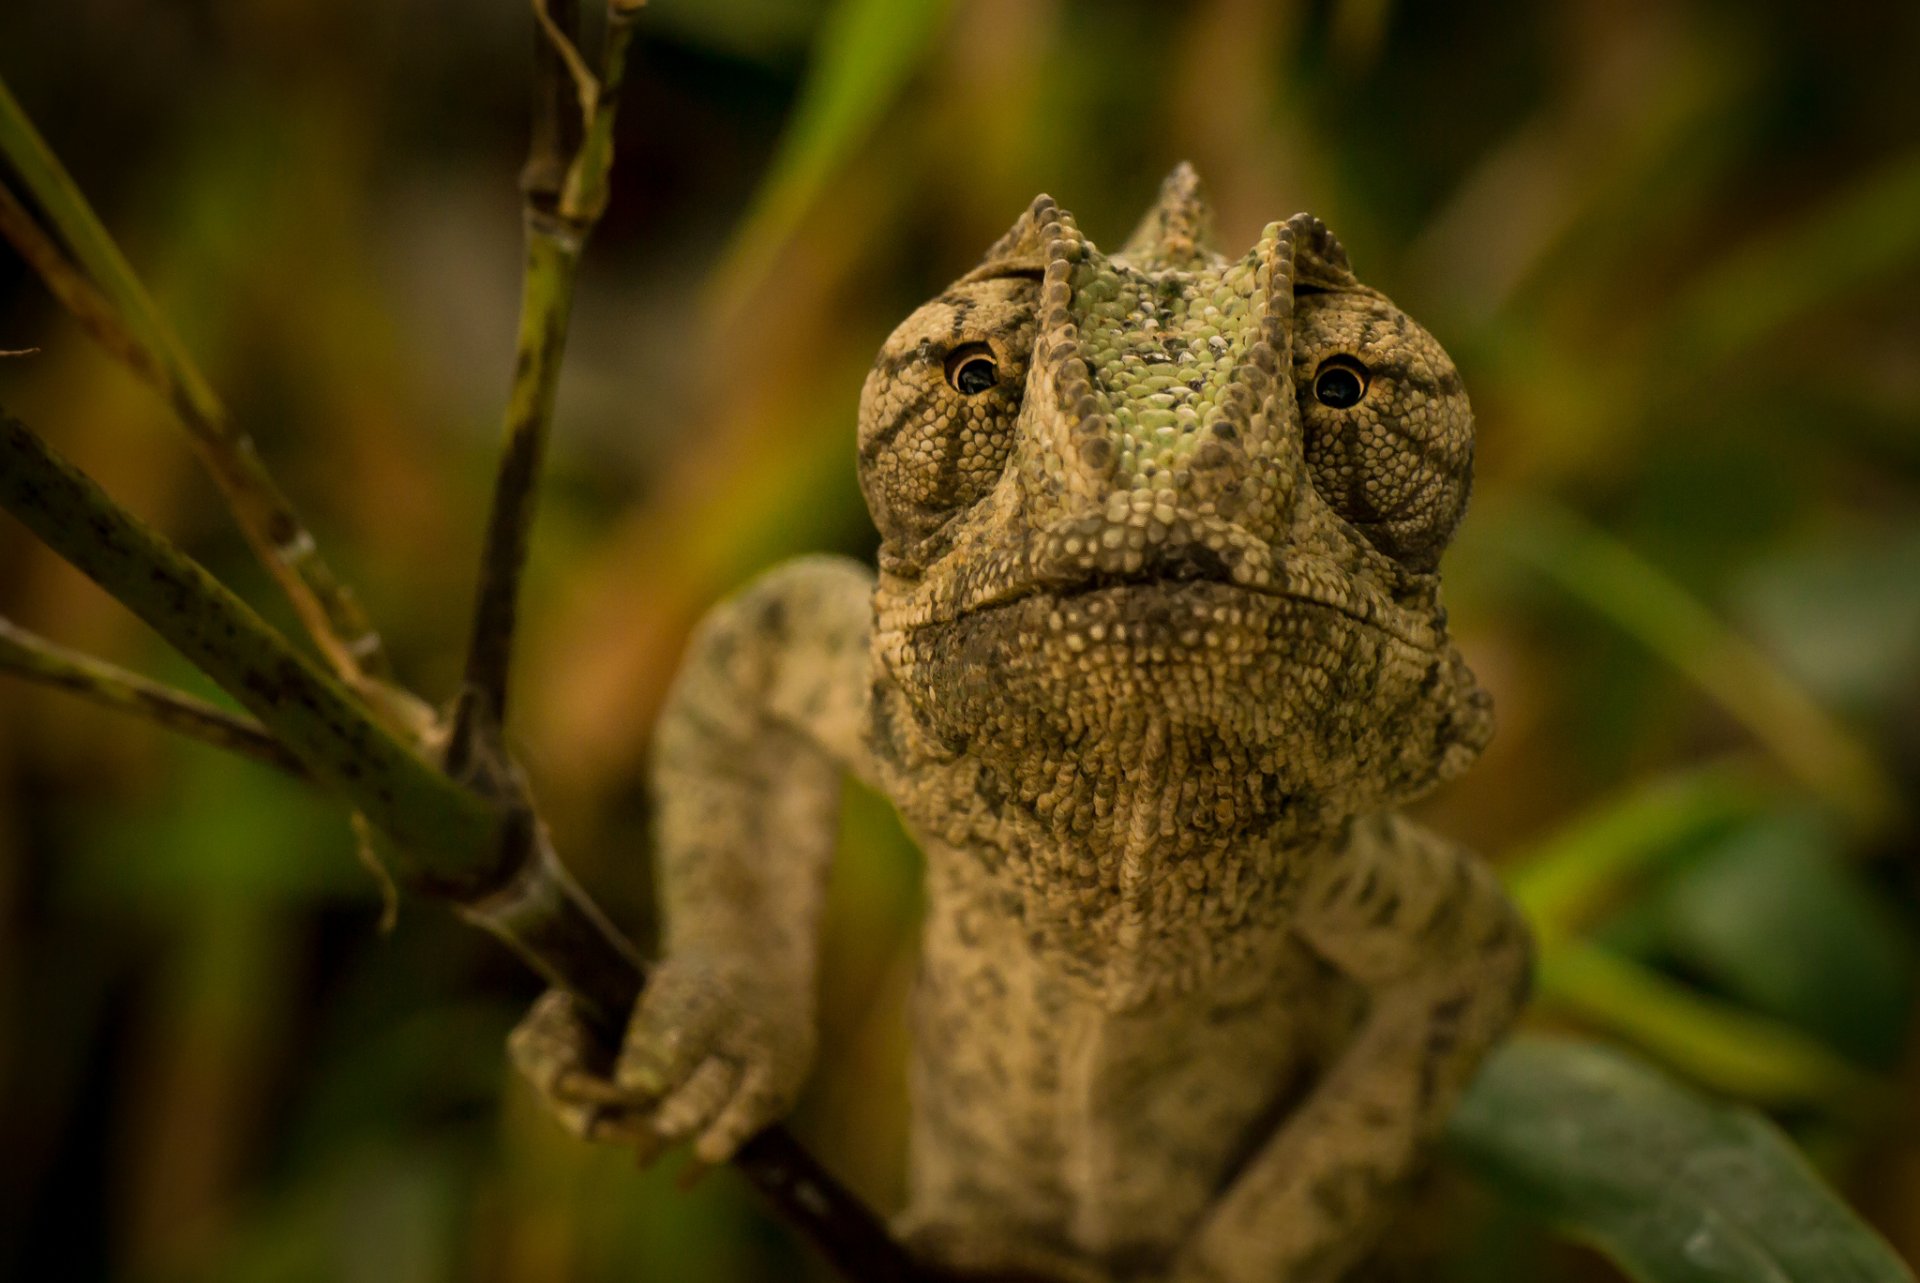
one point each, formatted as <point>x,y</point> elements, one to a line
<point>975,377</point>
<point>1338,387</point>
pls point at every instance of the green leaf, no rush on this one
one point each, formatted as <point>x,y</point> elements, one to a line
<point>1774,916</point>
<point>1674,1187</point>
<point>68,213</point>
<point>1843,615</point>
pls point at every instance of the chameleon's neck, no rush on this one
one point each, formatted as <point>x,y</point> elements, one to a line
<point>1143,861</point>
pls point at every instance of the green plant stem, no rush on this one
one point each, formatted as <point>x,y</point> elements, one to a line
<point>444,835</point>
<point>553,255</point>
<point>70,286</point>
<point>564,197</point>
<point>28,655</point>
<point>444,840</point>
<point>123,317</point>
<point>564,194</point>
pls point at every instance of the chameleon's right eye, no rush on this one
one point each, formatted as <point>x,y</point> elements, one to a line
<point>940,408</point>
<point>971,369</point>
<point>1341,382</point>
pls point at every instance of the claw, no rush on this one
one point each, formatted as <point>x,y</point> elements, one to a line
<point>706,1058</point>
<point>583,1087</point>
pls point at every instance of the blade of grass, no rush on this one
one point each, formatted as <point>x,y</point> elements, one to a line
<point>31,656</point>
<point>132,330</point>
<point>862,59</point>
<point>1721,1046</point>
<point>1866,233</point>
<point>1565,879</point>
<point>1616,582</point>
<point>446,835</point>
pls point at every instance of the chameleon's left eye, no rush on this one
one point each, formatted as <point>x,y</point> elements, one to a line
<point>971,369</point>
<point>1340,383</point>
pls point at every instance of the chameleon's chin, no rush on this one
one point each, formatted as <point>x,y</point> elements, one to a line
<point>1304,699</point>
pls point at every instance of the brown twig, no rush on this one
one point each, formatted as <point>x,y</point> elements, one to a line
<point>35,658</point>
<point>442,838</point>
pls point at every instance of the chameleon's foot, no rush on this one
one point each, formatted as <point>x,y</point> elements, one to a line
<point>569,1068</point>
<point>708,1058</point>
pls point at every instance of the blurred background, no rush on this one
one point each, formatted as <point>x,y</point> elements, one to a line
<point>1674,248</point>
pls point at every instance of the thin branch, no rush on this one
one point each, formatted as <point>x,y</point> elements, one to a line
<point>557,119</point>
<point>446,836</point>
<point>557,225</point>
<point>33,657</point>
<point>441,839</point>
<point>70,286</point>
<point>559,19</point>
<point>138,335</point>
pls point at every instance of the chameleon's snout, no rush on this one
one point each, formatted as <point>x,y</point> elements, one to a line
<point>1159,404</point>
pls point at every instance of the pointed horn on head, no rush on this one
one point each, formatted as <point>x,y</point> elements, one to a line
<point>1024,247</point>
<point>1179,227</point>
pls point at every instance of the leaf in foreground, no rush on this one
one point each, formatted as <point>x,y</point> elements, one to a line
<point>1675,1187</point>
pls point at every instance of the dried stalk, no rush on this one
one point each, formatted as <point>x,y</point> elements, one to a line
<point>33,657</point>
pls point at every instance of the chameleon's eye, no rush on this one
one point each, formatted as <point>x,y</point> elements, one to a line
<point>1340,383</point>
<point>970,369</point>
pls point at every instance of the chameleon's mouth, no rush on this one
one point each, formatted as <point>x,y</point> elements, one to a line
<point>1082,557</point>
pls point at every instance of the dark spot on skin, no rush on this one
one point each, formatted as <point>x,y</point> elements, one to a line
<point>773,620</point>
<point>1369,884</point>
<point>962,309</point>
<point>907,416</point>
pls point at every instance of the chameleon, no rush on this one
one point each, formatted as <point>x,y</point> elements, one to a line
<point>1153,652</point>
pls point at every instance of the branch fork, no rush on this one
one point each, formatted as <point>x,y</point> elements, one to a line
<point>439,803</point>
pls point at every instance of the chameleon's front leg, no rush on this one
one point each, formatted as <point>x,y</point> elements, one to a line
<point>1445,957</point>
<point>762,723</point>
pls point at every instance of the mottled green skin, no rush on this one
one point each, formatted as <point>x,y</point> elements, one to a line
<point>1154,648</point>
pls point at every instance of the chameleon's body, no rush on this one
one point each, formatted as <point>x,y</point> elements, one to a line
<point>1154,647</point>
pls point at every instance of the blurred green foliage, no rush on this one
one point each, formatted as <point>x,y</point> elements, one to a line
<point>1675,250</point>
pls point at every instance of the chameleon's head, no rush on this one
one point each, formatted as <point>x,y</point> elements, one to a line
<point>1165,493</point>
